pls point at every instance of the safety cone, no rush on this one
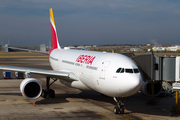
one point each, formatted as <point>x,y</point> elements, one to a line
<point>34,104</point>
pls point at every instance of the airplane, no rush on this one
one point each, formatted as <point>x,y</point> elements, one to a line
<point>110,74</point>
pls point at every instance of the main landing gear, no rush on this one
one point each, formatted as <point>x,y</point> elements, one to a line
<point>48,93</point>
<point>119,108</point>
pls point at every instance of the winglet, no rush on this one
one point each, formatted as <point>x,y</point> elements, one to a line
<point>54,37</point>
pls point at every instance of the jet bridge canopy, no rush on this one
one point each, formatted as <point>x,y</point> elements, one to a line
<point>157,68</point>
<point>145,63</point>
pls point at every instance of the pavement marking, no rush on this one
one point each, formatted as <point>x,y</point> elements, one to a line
<point>144,116</point>
<point>103,113</point>
<point>9,64</point>
<point>148,116</point>
<point>100,106</point>
<point>113,118</point>
<point>85,99</point>
<point>58,108</point>
<point>124,117</point>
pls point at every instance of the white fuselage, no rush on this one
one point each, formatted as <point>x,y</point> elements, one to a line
<point>98,71</point>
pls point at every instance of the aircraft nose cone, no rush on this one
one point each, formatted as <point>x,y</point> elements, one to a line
<point>135,84</point>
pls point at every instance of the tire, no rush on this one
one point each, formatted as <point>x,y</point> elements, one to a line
<point>116,110</point>
<point>122,109</point>
<point>51,93</point>
<point>44,93</point>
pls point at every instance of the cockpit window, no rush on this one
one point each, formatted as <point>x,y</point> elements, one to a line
<point>136,70</point>
<point>129,70</point>
<point>118,70</point>
<point>122,70</point>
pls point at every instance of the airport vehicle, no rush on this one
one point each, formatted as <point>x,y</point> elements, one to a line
<point>111,74</point>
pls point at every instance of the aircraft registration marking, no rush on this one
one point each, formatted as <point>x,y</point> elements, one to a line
<point>87,59</point>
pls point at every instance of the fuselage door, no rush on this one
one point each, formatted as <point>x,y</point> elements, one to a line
<point>103,69</point>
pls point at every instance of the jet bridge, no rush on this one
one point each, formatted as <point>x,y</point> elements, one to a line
<point>155,69</point>
<point>145,63</point>
<point>158,68</point>
<point>148,67</point>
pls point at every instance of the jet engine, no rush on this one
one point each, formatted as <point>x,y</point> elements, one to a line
<point>146,88</point>
<point>31,88</point>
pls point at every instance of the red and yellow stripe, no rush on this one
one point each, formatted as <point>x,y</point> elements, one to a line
<point>54,38</point>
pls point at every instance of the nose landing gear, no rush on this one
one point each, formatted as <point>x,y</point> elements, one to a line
<point>119,108</point>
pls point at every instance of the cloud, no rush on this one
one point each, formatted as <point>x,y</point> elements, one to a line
<point>91,22</point>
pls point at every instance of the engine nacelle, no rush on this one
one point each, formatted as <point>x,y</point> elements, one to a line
<point>146,88</point>
<point>31,88</point>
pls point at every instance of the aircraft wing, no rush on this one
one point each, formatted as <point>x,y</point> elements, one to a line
<point>48,73</point>
<point>28,50</point>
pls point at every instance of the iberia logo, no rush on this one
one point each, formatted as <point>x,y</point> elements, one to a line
<point>86,59</point>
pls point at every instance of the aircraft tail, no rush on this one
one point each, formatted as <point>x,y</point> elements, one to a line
<point>54,37</point>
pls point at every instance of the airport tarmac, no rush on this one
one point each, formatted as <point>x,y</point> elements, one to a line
<point>72,103</point>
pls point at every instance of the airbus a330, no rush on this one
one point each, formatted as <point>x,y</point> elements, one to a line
<point>111,74</point>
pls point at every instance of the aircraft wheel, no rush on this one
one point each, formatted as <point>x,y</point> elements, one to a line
<point>122,109</point>
<point>116,110</point>
<point>44,93</point>
<point>51,93</point>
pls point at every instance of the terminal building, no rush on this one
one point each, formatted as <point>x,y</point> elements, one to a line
<point>172,48</point>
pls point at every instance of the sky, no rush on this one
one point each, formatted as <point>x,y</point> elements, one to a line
<point>90,22</point>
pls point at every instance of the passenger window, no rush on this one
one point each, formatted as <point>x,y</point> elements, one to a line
<point>129,71</point>
<point>136,70</point>
<point>118,70</point>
